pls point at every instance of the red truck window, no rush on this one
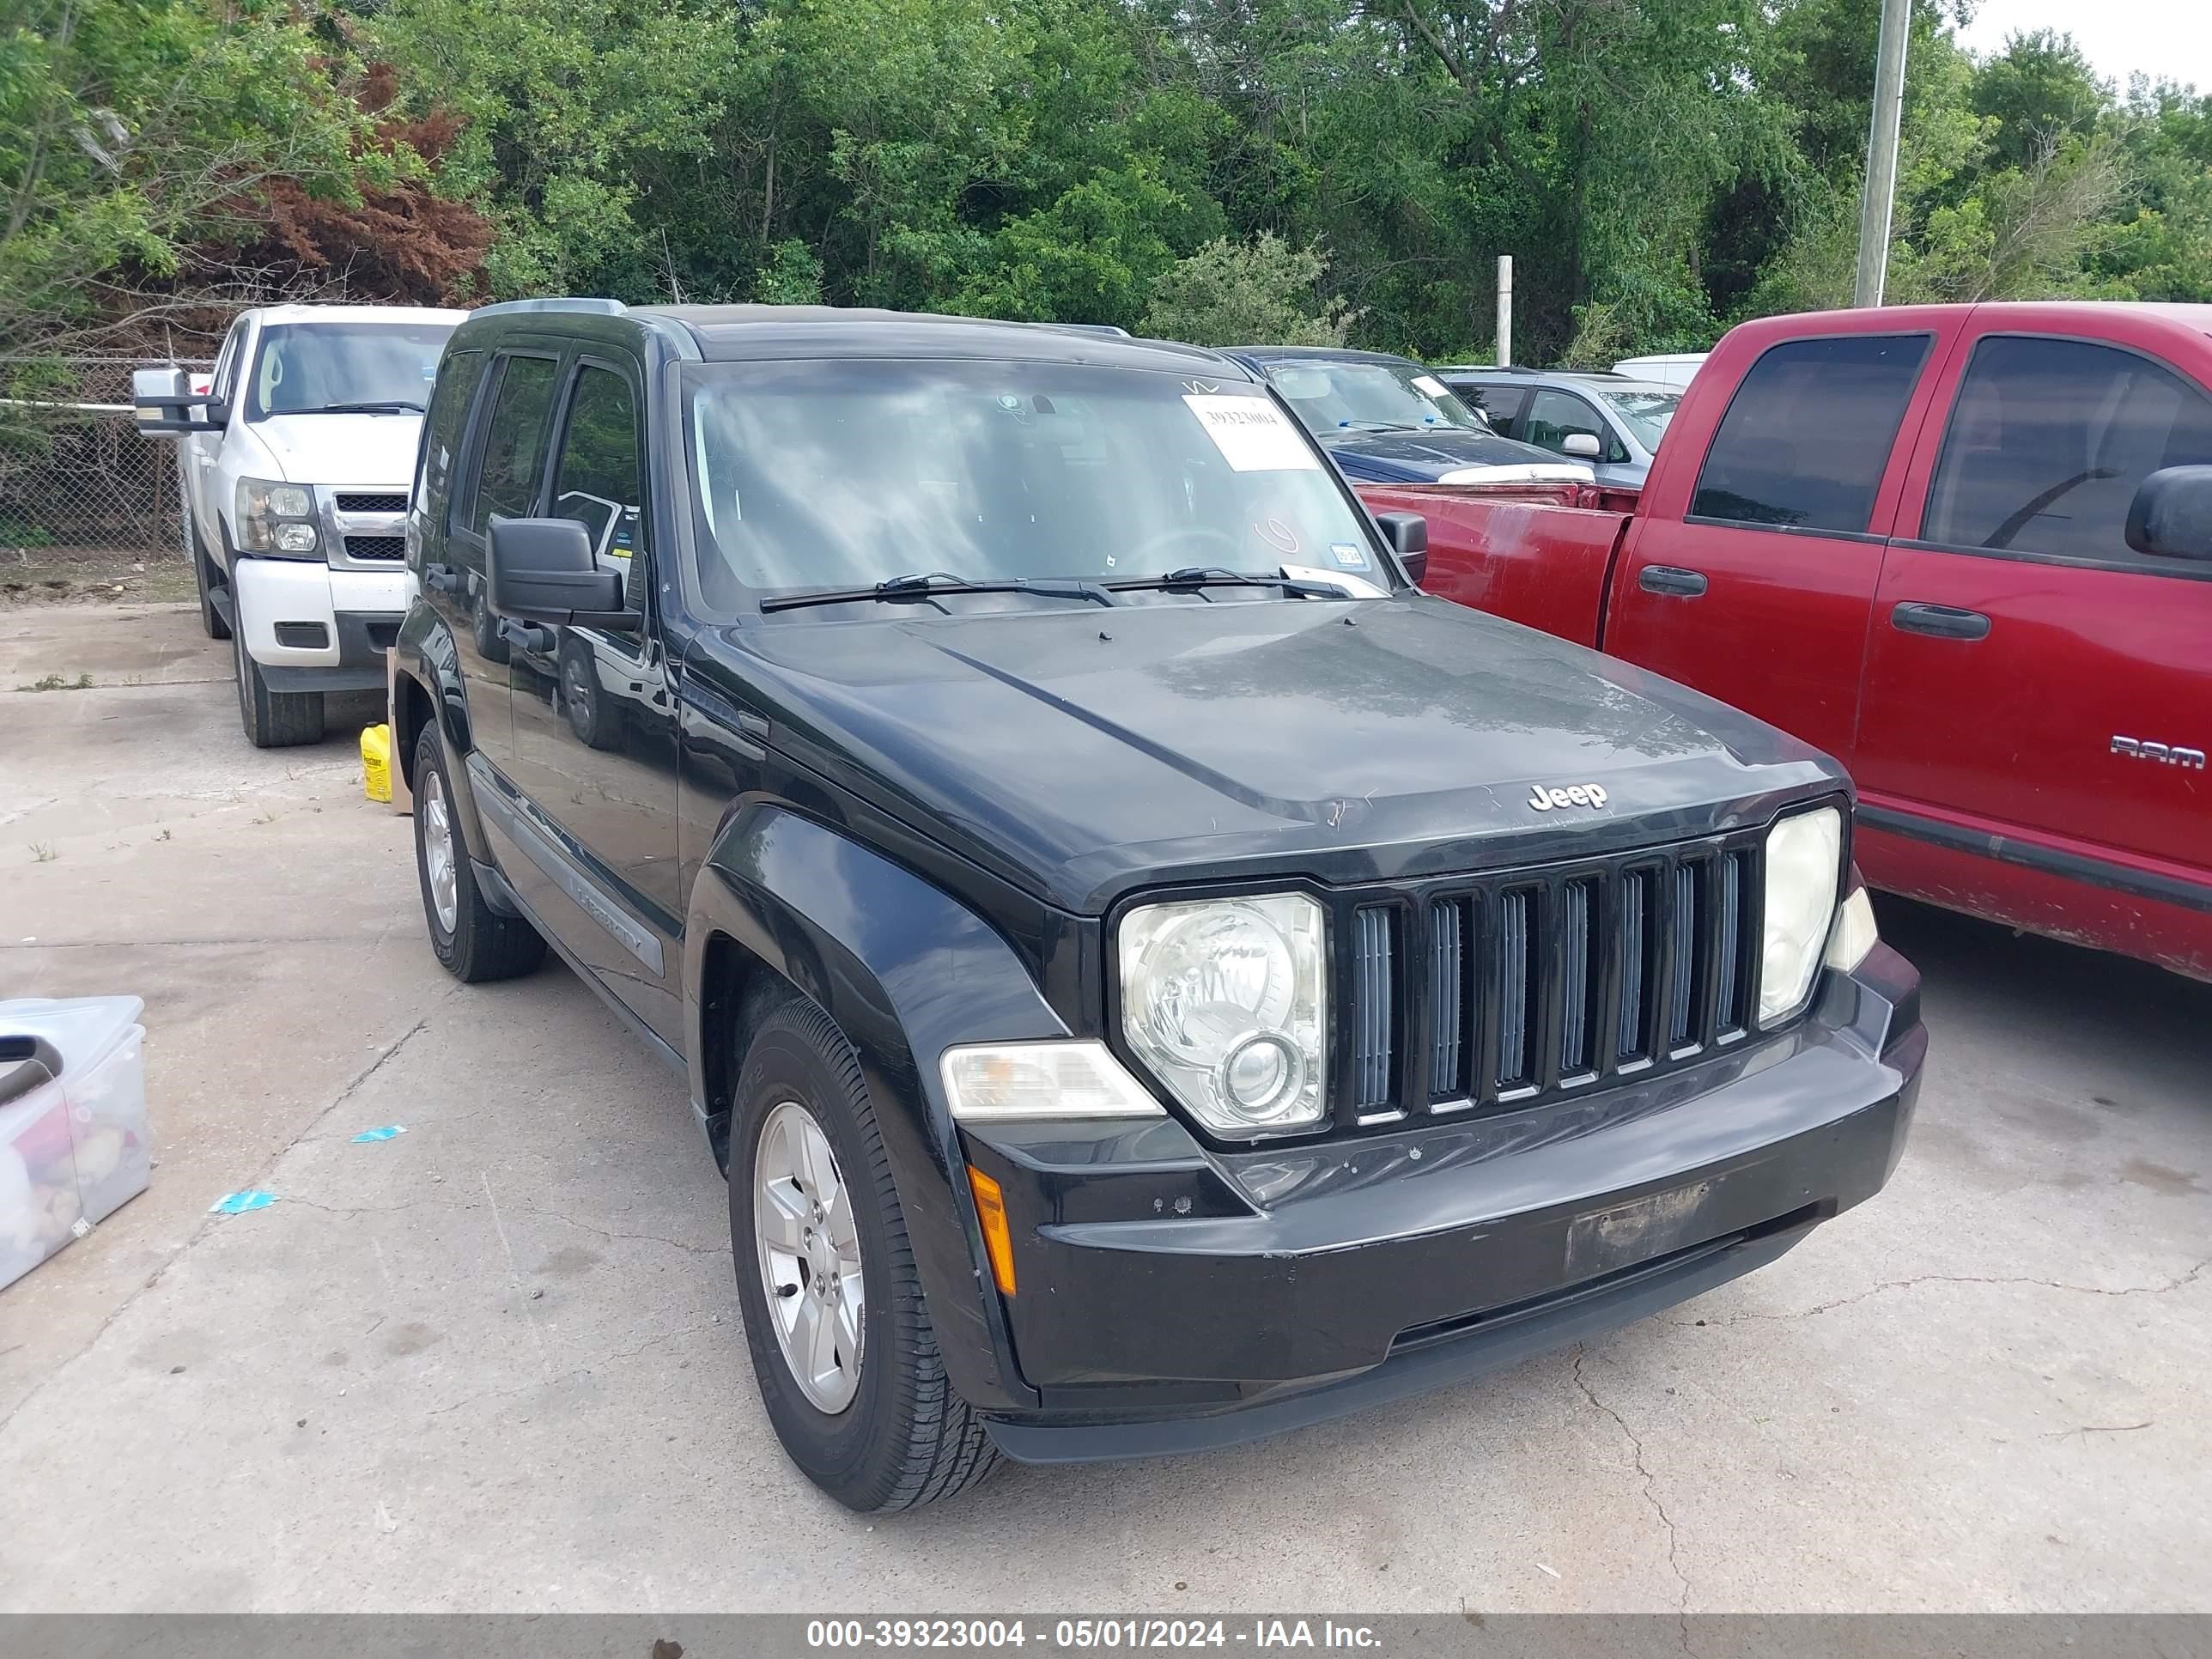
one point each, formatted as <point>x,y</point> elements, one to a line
<point>2048,442</point>
<point>1808,432</point>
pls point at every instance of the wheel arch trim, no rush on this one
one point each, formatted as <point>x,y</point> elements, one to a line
<point>906,971</point>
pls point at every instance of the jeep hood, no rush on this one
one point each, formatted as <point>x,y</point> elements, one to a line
<point>341,449</point>
<point>1082,753</point>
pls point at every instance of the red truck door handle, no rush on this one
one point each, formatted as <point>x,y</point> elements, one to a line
<point>1670,578</point>
<point>1943,622</point>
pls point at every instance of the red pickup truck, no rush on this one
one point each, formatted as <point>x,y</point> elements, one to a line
<point>1967,550</point>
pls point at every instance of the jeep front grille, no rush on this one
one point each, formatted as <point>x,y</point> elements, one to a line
<point>1491,992</point>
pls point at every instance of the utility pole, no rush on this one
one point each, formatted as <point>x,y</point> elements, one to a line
<point>1504,310</point>
<point>1882,152</point>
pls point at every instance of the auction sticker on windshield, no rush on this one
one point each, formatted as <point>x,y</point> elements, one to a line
<point>1251,433</point>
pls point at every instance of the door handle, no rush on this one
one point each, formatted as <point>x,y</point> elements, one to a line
<point>443,577</point>
<point>1670,578</point>
<point>1941,621</point>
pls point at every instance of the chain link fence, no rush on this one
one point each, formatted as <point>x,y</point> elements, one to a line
<point>78,481</point>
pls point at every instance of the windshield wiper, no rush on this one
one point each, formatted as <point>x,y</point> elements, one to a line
<point>1209,576</point>
<point>923,587</point>
<point>1382,426</point>
<point>377,406</point>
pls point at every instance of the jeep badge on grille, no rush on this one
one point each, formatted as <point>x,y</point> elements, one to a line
<point>1581,794</point>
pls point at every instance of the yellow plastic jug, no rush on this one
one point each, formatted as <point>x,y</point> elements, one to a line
<point>376,762</point>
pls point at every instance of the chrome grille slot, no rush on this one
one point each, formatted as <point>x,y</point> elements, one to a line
<point>1633,1039</point>
<point>1373,976</point>
<point>376,547</point>
<point>351,503</point>
<point>1682,958</point>
<point>1516,979</point>
<point>1578,976</point>
<point>1447,999</point>
<point>1730,944</point>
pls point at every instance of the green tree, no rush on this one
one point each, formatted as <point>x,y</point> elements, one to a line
<point>136,140</point>
<point>1260,292</point>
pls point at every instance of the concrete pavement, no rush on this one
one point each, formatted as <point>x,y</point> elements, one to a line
<point>494,1363</point>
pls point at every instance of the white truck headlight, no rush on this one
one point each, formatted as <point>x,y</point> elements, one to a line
<point>1804,866</point>
<point>1225,1000</point>
<point>275,518</point>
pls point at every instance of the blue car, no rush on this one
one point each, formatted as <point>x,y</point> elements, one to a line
<point>1388,420</point>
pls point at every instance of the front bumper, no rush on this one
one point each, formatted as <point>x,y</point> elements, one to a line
<point>1172,1299</point>
<point>314,629</point>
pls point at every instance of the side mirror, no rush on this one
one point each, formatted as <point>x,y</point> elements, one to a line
<point>1584,445</point>
<point>1408,536</point>
<point>2170,516</point>
<point>542,570</point>
<point>163,400</point>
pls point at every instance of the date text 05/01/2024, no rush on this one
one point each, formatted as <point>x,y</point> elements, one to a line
<point>1111,1634</point>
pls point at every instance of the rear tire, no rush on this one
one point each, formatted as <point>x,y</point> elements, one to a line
<point>473,941</point>
<point>274,720</point>
<point>905,1438</point>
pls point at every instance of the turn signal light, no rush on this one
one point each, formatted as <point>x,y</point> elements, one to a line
<point>991,1211</point>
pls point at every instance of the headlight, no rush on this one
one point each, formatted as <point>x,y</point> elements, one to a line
<point>1004,1081</point>
<point>1804,861</point>
<point>1223,998</point>
<point>275,518</point>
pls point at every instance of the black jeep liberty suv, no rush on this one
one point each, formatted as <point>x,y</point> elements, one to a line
<point>1153,977</point>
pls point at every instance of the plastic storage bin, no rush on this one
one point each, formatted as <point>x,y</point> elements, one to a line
<point>74,1144</point>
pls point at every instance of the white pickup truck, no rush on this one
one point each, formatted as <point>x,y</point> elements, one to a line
<point>298,456</point>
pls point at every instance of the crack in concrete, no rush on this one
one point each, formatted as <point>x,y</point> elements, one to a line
<point>717,1250</point>
<point>1650,1496</point>
<point>207,1223</point>
<point>555,1381</point>
<point>2173,1284</point>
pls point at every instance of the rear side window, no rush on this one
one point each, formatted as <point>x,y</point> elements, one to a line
<point>1502,404</point>
<point>1808,432</point>
<point>514,441</point>
<point>2050,439</point>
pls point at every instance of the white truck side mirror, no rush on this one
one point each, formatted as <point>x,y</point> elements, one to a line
<point>163,401</point>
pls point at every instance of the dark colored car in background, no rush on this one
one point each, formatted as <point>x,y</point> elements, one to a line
<point>1142,1000</point>
<point>1388,420</point>
<point>1610,422</point>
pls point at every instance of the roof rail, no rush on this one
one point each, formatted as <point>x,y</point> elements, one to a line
<point>594,307</point>
<point>1114,329</point>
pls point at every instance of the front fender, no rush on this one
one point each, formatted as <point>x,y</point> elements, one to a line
<point>907,972</point>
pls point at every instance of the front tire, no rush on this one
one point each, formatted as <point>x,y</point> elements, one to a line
<point>274,720</point>
<point>879,1427</point>
<point>473,940</point>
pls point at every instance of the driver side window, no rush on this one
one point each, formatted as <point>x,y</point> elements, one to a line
<point>1553,417</point>
<point>2048,442</point>
<point>598,479</point>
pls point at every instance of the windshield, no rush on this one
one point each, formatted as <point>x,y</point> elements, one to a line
<point>843,473</point>
<point>1331,396</point>
<point>1645,414</point>
<point>304,367</point>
